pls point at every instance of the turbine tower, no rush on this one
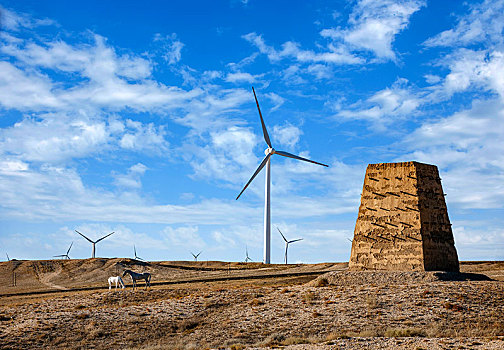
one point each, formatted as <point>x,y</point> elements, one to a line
<point>94,242</point>
<point>287,243</point>
<point>64,255</point>
<point>266,162</point>
<point>196,256</point>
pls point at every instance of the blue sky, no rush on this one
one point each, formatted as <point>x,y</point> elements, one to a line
<point>140,119</point>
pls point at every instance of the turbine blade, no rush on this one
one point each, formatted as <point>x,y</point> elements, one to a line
<point>296,240</point>
<point>134,248</point>
<point>199,253</point>
<point>84,236</point>
<point>289,155</point>
<point>282,235</point>
<point>265,132</point>
<point>104,237</point>
<point>68,251</point>
<point>263,163</point>
<point>58,256</point>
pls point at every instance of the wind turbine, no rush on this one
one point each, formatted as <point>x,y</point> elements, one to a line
<point>8,259</point>
<point>287,243</point>
<point>247,258</point>
<point>94,242</point>
<point>136,256</point>
<point>266,162</point>
<point>196,256</point>
<point>64,255</point>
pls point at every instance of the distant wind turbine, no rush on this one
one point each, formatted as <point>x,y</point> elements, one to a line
<point>196,256</point>
<point>136,256</point>
<point>247,258</point>
<point>94,242</point>
<point>287,243</point>
<point>64,255</point>
<point>8,259</point>
<point>266,162</point>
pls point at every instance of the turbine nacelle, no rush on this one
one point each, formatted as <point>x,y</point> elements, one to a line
<point>269,150</point>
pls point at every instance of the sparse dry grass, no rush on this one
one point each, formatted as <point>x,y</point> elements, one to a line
<point>236,315</point>
<point>256,302</point>
<point>321,282</point>
<point>82,316</point>
<point>371,301</point>
<point>404,332</point>
<point>309,296</point>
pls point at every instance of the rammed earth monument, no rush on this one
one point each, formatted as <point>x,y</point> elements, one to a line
<point>403,222</point>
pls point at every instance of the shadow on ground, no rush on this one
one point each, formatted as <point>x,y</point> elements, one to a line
<point>461,276</point>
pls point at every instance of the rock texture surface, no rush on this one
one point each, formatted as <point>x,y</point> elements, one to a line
<point>403,222</point>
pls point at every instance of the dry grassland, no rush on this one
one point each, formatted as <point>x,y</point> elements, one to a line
<point>336,310</point>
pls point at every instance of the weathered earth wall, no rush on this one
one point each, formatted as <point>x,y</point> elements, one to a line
<point>403,222</point>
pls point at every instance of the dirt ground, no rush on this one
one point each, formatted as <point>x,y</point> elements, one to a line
<point>319,306</point>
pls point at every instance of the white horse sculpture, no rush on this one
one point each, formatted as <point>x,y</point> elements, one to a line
<point>116,280</point>
<point>138,276</point>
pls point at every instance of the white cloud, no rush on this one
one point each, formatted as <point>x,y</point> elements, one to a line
<point>385,106</point>
<point>471,239</point>
<point>172,47</point>
<point>184,236</point>
<point>287,134</point>
<point>240,77</point>
<point>320,71</point>
<point>276,99</point>
<point>374,25</point>
<point>32,193</point>
<point>485,22</point>
<point>104,80</point>
<point>482,69</point>
<point>54,138</point>
<point>132,179</point>
<point>211,75</point>
<point>469,70</point>
<point>223,239</point>
<point>25,89</point>
<point>432,79</point>
<point>242,63</point>
<point>226,156</point>
<point>13,167</point>
<point>291,75</point>
<point>96,62</point>
<point>60,137</point>
<point>467,146</point>
<point>15,21</point>
<point>334,55</point>
<point>143,137</point>
<point>208,111</point>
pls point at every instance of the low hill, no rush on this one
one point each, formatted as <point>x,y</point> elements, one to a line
<point>42,275</point>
